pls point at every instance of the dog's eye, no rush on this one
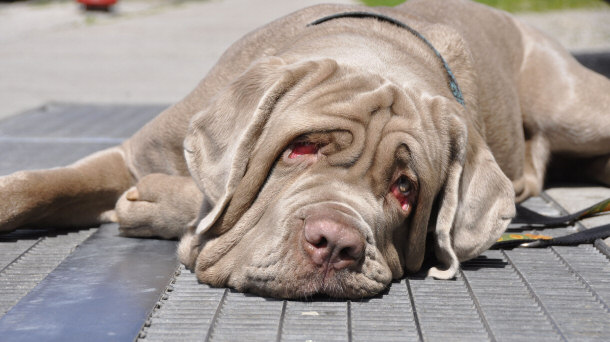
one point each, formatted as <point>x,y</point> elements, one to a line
<point>404,186</point>
<point>303,148</point>
<point>401,189</point>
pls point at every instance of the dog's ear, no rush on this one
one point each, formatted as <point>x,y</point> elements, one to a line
<point>475,204</point>
<point>475,200</point>
<point>222,139</point>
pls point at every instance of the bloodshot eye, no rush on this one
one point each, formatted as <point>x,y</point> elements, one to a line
<point>402,191</point>
<point>303,148</point>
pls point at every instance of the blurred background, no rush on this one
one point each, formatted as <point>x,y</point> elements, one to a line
<point>515,5</point>
<point>155,51</point>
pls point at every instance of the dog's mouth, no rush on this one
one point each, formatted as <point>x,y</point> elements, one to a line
<point>330,276</point>
<point>330,283</point>
<point>292,273</point>
<point>310,283</point>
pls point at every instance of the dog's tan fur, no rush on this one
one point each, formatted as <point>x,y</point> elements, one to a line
<point>215,170</point>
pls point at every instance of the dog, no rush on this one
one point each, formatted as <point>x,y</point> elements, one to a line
<point>336,148</point>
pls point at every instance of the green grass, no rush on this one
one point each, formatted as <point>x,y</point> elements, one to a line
<point>515,5</point>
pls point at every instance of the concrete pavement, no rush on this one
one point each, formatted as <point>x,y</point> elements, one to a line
<point>156,51</point>
<point>146,52</point>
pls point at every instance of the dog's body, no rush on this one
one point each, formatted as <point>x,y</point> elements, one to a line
<point>319,159</point>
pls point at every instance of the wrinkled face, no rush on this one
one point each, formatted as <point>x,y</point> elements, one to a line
<point>333,221</point>
<point>328,195</point>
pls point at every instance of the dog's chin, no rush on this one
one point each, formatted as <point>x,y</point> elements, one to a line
<point>300,280</point>
<point>342,284</point>
<point>304,280</point>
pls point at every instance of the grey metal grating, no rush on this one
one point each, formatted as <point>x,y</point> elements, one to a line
<point>34,263</point>
<point>28,155</point>
<point>54,135</point>
<point>240,315</point>
<point>59,134</point>
<point>390,316</point>
<point>186,311</point>
<point>446,311</point>
<point>89,122</point>
<point>552,294</point>
<point>590,267</point>
<point>504,300</point>
<point>313,320</point>
<point>103,290</point>
<point>572,305</point>
<point>12,250</point>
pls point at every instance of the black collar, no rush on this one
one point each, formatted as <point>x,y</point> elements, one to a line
<point>453,86</point>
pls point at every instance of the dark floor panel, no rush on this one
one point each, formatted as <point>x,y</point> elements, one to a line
<point>81,293</point>
<point>33,260</point>
<point>103,291</point>
<point>15,156</point>
<point>80,120</point>
<point>59,134</point>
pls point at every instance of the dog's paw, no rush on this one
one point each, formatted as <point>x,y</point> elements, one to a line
<point>158,206</point>
<point>526,187</point>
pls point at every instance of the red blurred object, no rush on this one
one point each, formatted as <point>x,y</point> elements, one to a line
<point>98,3</point>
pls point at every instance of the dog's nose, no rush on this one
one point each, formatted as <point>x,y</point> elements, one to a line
<point>332,242</point>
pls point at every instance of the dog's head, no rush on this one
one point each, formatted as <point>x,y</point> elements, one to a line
<point>324,178</point>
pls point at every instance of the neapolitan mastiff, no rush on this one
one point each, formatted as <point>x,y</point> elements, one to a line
<point>331,150</point>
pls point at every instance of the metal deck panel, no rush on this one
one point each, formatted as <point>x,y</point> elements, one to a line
<point>32,262</point>
<point>551,294</point>
<point>59,134</point>
<point>188,315</point>
<point>85,121</point>
<point>104,291</point>
<point>28,155</point>
<point>56,135</point>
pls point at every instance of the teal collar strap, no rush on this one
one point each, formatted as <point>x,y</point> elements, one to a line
<point>453,85</point>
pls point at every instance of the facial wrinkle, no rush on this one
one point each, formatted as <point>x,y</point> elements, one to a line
<point>375,127</point>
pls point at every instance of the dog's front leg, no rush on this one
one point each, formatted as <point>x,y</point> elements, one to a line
<point>74,196</point>
<point>159,205</point>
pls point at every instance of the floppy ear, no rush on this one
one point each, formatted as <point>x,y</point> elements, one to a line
<point>221,140</point>
<point>476,200</point>
<point>221,137</point>
<point>475,205</point>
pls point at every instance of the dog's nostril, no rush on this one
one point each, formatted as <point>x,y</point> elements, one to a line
<point>322,243</point>
<point>348,254</point>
